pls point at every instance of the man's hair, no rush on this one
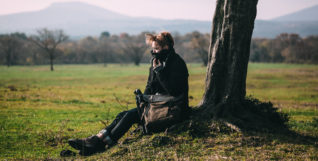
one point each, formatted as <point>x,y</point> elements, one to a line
<point>163,39</point>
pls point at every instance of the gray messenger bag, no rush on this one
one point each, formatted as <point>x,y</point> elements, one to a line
<point>159,112</point>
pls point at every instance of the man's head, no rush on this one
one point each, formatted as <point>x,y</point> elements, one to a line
<point>159,42</point>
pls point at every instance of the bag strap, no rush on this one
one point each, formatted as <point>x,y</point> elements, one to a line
<point>161,98</point>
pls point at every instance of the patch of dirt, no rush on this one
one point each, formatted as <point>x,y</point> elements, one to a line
<point>12,88</point>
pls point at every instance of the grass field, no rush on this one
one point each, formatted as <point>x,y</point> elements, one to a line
<point>40,110</point>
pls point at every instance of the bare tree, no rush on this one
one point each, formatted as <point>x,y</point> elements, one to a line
<point>200,43</point>
<point>87,50</point>
<point>9,45</point>
<point>134,47</point>
<point>48,40</point>
<point>104,49</point>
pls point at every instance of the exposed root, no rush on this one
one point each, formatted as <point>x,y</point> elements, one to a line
<point>232,126</point>
<point>251,114</point>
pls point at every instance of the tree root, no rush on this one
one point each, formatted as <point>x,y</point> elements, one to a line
<point>251,114</point>
<point>232,126</point>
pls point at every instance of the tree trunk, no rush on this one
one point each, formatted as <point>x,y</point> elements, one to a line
<point>9,57</point>
<point>204,56</point>
<point>232,30</point>
<point>224,102</point>
<point>105,60</point>
<point>51,61</point>
<point>137,63</point>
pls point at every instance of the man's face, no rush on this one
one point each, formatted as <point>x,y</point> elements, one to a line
<point>155,47</point>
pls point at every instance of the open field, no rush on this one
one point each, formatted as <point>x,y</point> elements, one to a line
<point>40,110</point>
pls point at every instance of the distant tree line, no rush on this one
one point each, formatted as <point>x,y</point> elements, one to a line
<point>287,48</point>
<point>53,45</point>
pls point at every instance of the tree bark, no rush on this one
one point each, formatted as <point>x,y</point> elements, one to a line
<point>232,29</point>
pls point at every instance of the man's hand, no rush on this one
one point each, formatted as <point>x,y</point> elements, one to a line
<point>155,63</point>
<point>157,66</point>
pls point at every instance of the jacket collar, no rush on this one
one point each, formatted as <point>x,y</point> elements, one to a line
<point>169,53</point>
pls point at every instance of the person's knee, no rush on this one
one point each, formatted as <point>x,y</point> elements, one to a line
<point>121,114</point>
<point>132,115</point>
<point>129,114</point>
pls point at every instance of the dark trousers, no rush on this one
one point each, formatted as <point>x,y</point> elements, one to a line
<point>122,123</point>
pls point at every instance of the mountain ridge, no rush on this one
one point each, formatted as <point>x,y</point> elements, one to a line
<point>306,14</point>
<point>80,19</point>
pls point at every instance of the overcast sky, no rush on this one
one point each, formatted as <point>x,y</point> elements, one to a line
<point>165,9</point>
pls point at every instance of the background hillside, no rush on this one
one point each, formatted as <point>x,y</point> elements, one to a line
<point>80,19</point>
<point>302,15</point>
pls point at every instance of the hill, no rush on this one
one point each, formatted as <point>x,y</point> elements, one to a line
<point>79,19</point>
<point>307,14</point>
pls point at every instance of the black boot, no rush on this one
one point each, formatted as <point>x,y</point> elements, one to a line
<point>91,144</point>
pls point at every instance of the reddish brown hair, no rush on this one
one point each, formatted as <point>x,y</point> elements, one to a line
<point>163,39</point>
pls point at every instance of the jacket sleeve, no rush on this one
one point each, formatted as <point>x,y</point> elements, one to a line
<point>148,86</point>
<point>175,81</point>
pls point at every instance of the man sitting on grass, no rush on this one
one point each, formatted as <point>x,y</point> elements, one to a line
<point>168,75</point>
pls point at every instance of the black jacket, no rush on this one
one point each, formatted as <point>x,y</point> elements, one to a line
<point>169,79</point>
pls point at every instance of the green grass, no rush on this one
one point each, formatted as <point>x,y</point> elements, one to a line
<point>40,110</point>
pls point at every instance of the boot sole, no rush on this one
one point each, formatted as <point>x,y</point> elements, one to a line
<point>76,145</point>
<point>84,150</point>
